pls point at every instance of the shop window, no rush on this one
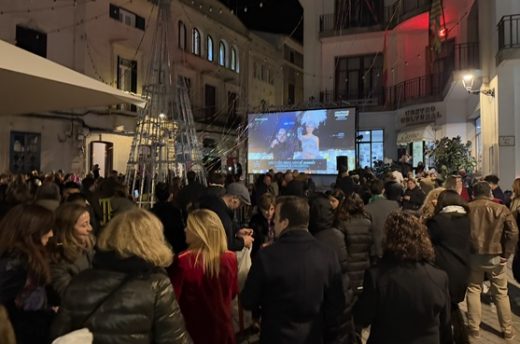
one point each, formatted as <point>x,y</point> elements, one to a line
<point>370,147</point>
<point>24,152</point>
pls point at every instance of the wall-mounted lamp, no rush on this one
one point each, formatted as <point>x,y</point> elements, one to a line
<point>467,82</point>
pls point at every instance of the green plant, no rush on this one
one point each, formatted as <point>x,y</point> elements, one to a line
<point>452,155</point>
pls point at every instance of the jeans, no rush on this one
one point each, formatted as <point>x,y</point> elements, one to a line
<point>481,264</point>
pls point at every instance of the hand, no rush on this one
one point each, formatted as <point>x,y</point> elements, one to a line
<point>503,261</point>
<point>248,240</point>
<point>245,232</point>
<point>274,143</point>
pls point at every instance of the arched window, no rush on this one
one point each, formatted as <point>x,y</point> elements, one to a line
<point>209,48</point>
<point>195,37</point>
<point>182,35</point>
<point>234,60</point>
<point>221,53</point>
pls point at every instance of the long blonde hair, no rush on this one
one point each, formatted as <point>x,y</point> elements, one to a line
<point>207,237</point>
<point>427,209</point>
<point>136,232</point>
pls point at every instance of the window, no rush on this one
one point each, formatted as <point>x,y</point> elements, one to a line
<point>182,35</point>
<point>358,77</point>
<point>209,48</point>
<point>195,42</point>
<point>127,79</point>
<point>221,53</point>
<point>24,152</point>
<point>291,94</point>
<point>369,147</point>
<point>478,142</point>
<point>31,40</point>
<point>210,104</point>
<point>234,63</point>
<point>126,17</point>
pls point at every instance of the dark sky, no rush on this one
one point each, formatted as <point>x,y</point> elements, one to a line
<point>278,16</point>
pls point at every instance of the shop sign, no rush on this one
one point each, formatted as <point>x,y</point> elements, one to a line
<point>424,114</point>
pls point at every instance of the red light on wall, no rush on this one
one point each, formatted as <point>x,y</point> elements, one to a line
<point>443,33</point>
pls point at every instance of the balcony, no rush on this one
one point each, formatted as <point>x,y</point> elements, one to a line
<point>340,22</point>
<point>426,88</point>
<point>508,38</point>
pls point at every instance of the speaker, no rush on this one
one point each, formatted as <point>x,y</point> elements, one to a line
<point>342,163</point>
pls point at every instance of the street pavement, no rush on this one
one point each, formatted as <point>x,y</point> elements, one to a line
<point>490,332</point>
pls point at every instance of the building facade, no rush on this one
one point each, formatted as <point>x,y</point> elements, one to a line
<point>212,52</point>
<point>419,70</point>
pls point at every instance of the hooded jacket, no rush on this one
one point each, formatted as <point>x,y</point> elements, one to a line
<point>143,308</point>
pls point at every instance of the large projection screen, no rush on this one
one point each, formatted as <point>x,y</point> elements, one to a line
<point>304,140</point>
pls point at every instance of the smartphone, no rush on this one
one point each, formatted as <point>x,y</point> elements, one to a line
<point>136,193</point>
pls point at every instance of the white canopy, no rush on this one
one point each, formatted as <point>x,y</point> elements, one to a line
<point>417,133</point>
<point>30,83</point>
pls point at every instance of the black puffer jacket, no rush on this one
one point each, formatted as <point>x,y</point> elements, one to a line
<point>142,310</point>
<point>359,240</point>
<point>321,225</point>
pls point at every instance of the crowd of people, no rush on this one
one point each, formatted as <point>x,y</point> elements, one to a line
<point>79,260</point>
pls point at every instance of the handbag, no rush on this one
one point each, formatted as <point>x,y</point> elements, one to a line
<point>83,334</point>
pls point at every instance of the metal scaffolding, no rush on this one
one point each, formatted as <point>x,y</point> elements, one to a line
<point>165,144</point>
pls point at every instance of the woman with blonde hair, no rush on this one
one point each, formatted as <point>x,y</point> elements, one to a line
<point>427,210</point>
<point>205,280</point>
<point>515,199</point>
<point>127,296</point>
<point>72,247</point>
<point>405,288</point>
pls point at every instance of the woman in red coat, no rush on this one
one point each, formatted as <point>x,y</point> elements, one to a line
<point>205,280</point>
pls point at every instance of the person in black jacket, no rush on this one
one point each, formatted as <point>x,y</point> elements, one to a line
<point>413,196</point>
<point>321,225</point>
<point>356,225</point>
<point>450,234</point>
<point>262,222</point>
<point>170,217</point>
<point>127,297</point>
<point>25,271</point>
<point>236,196</point>
<point>405,298</point>
<point>296,282</point>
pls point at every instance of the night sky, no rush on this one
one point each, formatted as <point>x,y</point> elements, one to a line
<point>277,16</point>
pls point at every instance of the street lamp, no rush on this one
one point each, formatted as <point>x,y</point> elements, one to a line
<point>467,82</point>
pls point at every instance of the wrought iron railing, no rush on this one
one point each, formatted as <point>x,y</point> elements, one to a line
<point>336,23</point>
<point>426,87</point>
<point>509,32</point>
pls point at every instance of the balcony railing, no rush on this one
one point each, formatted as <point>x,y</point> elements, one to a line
<point>509,32</point>
<point>339,22</point>
<point>428,87</point>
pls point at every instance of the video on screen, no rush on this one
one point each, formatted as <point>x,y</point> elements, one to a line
<point>308,141</point>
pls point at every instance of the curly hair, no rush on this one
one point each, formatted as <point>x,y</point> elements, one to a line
<point>407,238</point>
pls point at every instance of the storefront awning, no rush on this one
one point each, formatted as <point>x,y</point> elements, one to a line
<point>419,133</point>
<point>30,83</point>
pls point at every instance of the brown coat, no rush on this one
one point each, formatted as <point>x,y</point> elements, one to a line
<point>493,228</point>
